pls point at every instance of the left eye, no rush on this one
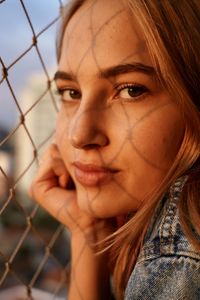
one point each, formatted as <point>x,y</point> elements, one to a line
<point>131,91</point>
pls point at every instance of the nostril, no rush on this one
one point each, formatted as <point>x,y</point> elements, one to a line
<point>87,130</point>
<point>91,146</point>
<point>90,140</point>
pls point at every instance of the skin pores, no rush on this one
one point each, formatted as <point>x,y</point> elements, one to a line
<point>118,130</point>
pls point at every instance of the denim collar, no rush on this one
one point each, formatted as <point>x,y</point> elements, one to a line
<point>165,235</point>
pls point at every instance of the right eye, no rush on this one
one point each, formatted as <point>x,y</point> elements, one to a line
<point>68,94</point>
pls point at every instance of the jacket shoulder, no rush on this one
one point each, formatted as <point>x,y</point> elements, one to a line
<point>168,266</point>
<point>165,278</point>
<point>165,235</point>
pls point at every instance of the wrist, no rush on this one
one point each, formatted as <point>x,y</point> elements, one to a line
<point>96,232</point>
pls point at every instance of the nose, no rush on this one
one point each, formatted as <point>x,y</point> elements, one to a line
<point>87,128</point>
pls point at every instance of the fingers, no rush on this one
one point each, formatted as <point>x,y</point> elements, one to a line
<point>49,188</point>
<point>51,172</point>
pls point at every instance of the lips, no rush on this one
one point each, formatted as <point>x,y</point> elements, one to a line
<point>91,175</point>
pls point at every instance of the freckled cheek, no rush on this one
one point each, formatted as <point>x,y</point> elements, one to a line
<point>158,143</point>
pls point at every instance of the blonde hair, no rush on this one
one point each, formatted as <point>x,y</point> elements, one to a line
<point>172,35</point>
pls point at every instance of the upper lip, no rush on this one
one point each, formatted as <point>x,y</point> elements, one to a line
<point>93,168</point>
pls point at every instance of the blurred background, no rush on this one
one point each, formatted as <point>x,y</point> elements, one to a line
<point>34,248</point>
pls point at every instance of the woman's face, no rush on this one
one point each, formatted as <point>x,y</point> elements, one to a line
<point>118,130</point>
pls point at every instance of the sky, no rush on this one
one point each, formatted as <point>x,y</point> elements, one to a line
<point>16,37</point>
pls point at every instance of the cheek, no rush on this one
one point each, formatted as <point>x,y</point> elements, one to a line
<point>157,138</point>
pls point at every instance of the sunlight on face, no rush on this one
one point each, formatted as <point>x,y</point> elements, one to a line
<point>118,131</point>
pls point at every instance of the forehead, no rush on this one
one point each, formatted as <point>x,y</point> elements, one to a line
<point>105,33</point>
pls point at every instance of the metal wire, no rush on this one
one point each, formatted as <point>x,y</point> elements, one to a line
<point>24,241</point>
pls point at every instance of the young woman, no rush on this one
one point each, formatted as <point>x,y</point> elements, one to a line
<point>123,174</point>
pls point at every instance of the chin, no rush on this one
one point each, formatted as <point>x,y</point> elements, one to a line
<point>93,204</point>
<point>105,202</point>
<point>91,207</point>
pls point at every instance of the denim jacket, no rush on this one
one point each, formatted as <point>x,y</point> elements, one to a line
<point>168,267</point>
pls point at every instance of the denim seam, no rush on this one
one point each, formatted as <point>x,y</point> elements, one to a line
<point>168,221</point>
<point>148,253</point>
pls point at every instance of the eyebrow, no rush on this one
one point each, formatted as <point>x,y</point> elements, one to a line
<point>113,71</point>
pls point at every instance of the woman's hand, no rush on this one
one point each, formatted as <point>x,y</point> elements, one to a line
<point>50,189</point>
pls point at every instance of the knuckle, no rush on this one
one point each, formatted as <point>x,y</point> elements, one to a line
<point>53,149</point>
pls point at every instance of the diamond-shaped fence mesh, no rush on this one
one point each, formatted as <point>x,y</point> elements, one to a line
<point>34,251</point>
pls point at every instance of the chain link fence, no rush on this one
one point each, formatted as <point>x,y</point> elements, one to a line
<point>34,251</point>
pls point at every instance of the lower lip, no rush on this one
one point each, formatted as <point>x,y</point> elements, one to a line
<point>92,178</point>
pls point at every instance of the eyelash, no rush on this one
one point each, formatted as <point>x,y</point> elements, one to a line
<point>60,92</point>
<point>143,90</point>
